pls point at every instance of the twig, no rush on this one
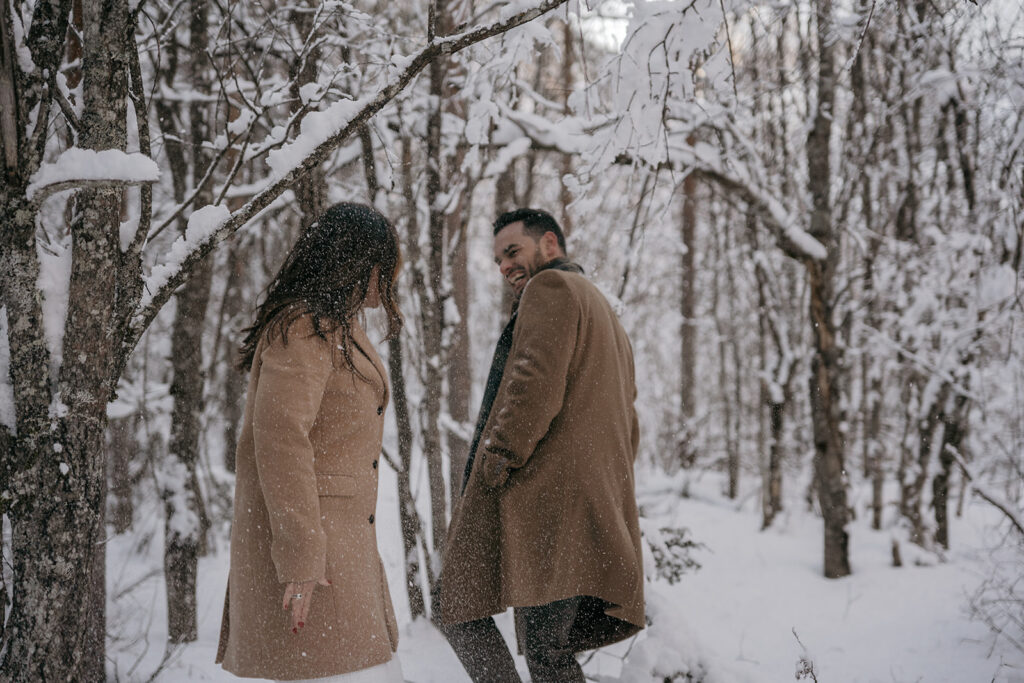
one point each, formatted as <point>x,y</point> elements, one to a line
<point>447,45</point>
<point>732,56</point>
<point>983,494</point>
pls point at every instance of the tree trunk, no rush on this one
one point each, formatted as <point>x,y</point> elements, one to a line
<point>459,368</point>
<point>234,306</point>
<point>122,447</point>
<point>773,496</point>
<point>734,454</point>
<point>954,422</point>
<point>54,630</point>
<point>185,520</point>
<point>929,427</point>
<point>567,82</point>
<point>686,454</point>
<point>407,515</point>
<point>311,193</point>
<point>825,380</point>
<point>408,518</point>
<point>775,390</point>
<point>185,523</point>
<point>432,299</point>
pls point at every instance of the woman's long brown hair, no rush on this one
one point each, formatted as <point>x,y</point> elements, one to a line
<point>327,274</point>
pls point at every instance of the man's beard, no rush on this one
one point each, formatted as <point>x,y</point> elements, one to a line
<point>532,268</point>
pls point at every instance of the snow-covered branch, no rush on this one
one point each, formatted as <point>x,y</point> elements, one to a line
<point>77,167</point>
<point>323,134</point>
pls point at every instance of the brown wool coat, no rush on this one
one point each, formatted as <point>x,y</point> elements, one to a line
<point>305,495</point>
<point>549,510</point>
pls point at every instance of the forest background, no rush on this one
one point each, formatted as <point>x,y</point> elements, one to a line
<point>810,216</point>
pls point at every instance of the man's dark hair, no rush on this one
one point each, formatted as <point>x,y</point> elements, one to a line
<point>535,223</point>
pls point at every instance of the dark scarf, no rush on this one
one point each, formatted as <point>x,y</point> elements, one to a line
<point>498,367</point>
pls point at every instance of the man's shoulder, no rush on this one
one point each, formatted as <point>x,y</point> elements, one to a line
<point>551,281</point>
<point>558,277</point>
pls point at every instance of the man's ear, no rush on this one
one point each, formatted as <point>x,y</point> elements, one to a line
<point>549,248</point>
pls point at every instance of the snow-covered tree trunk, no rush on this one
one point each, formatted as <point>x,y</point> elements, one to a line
<point>311,194</point>
<point>825,379</point>
<point>433,294</point>
<point>775,387</point>
<point>56,630</point>
<point>408,516</point>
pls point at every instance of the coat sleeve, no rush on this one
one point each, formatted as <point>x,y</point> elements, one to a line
<point>533,386</point>
<point>291,385</point>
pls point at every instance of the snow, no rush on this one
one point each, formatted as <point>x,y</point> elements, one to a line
<point>317,127</point>
<point>237,126</point>
<point>54,282</point>
<point>127,231</point>
<point>7,416</point>
<point>310,92</point>
<point>202,224</point>
<point>112,165</point>
<point>734,619</point>
<point>25,60</point>
<point>506,155</point>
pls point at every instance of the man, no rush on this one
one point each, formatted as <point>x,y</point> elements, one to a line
<point>547,521</point>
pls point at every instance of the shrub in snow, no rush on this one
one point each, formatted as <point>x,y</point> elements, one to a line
<point>671,551</point>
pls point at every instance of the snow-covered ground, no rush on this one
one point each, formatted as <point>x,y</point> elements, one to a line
<point>756,607</point>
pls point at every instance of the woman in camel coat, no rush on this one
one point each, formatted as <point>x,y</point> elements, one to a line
<point>307,596</point>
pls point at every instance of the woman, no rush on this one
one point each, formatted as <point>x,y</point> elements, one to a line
<point>307,596</point>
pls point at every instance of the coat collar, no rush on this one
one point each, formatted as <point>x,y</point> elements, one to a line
<point>561,263</point>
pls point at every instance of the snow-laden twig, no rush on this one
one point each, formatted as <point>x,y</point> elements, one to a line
<point>985,494</point>
<point>685,158</point>
<point>153,300</point>
<point>925,364</point>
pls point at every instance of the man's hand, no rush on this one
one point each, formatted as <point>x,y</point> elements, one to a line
<point>298,597</point>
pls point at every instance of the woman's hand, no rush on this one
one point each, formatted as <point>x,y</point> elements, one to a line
<point>298,597</point>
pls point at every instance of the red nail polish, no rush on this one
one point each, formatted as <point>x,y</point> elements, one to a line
<point>329,582</point>
<point>301,624</point>
<point>295,630</point>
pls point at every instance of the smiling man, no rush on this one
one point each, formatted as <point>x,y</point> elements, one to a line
<point>547,521</point>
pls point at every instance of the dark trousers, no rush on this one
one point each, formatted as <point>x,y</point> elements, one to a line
<point>547,645</point>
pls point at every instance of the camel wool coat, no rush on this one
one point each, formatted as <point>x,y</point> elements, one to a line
<point>549,510</point>
<point>305,495</point>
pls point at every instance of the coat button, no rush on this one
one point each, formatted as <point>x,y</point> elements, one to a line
<point>374,464</point>
<point>371,519</point>
<point>380,410</point>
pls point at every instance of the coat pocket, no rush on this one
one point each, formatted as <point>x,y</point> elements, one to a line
<point>335,485</point>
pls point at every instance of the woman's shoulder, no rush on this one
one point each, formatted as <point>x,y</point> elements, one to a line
<point>295,325</point>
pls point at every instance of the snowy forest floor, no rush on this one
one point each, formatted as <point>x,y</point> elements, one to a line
<point>735,617</point>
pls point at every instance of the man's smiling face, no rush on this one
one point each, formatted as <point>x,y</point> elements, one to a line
<point>518,255</point>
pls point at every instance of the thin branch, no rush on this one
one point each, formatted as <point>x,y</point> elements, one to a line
<point>200,187</point>
<point>65,108</point>
<point>732,54</point>
<point>1003,507</point>
<point>447,45</point>
<point>40,193</point>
